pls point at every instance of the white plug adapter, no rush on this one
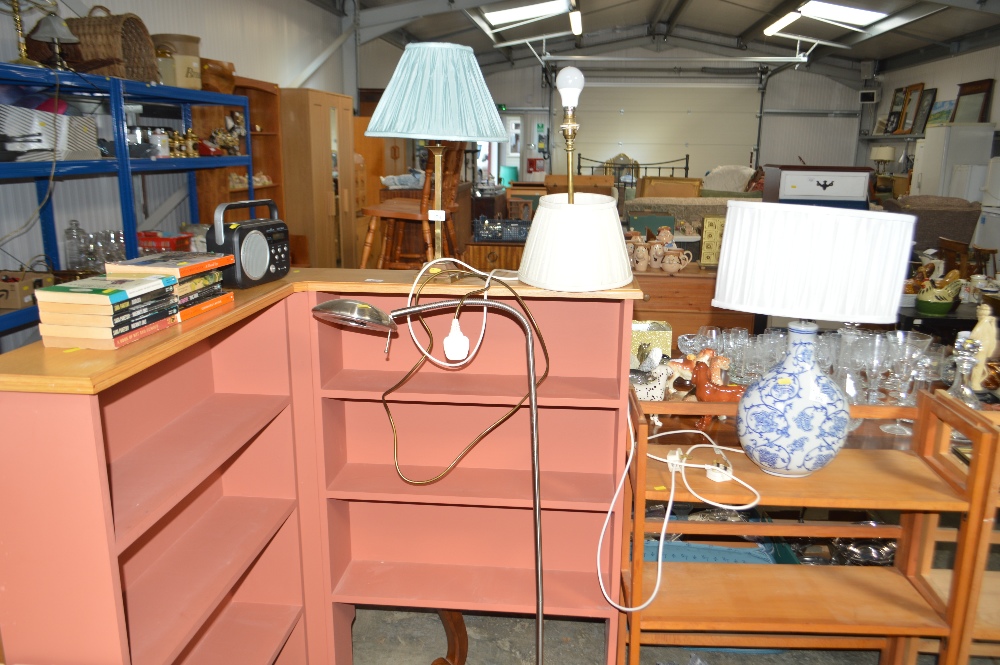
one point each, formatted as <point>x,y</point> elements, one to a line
<point>456,344</point>
<point>719,471</point>
<point>675,458</point>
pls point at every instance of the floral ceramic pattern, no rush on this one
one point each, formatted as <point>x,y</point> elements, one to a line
<point>794,419</point>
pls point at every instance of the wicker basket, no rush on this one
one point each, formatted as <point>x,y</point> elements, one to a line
<point>118,43</point>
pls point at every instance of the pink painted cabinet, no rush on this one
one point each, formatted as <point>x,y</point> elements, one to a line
<point>157,521</point>
<point>466,541</point>
<point>226,493</point>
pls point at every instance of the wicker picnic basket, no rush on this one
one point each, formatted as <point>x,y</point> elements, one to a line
<point>111,45</point>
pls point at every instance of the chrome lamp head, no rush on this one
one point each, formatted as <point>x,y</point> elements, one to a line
<point>354,313</point>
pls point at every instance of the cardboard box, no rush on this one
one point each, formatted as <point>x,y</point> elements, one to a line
<point>72,137</point>
<point>20,292</point>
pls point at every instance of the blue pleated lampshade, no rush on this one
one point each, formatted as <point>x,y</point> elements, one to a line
<point>437,92</point>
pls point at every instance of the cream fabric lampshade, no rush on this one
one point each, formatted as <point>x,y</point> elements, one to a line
<point>813,262</point>
<point>576,246</point>
<point>882,153</point>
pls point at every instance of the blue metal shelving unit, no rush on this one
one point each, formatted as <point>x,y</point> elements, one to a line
<point>117,92</point>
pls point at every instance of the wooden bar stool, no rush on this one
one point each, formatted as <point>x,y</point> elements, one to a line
<point>398,245</point>
<point>396,213</point>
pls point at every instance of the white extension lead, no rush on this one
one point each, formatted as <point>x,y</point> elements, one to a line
<point>675,465</point>
<point>456,344</point>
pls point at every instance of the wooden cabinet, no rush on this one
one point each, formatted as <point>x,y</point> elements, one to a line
<point>884,608</point>
<point>491,256</point>
<point>318,151</point>
<point>493,206</point>
<point>158,519</point>
<point>264,135</point>
<point>684,301</point>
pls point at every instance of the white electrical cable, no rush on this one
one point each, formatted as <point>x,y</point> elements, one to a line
<point>670,504</point>
<point>482,331</point>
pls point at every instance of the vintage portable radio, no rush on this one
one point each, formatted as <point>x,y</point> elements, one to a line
<point>260,246</point>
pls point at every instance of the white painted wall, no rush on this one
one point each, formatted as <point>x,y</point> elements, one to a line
<point>649,120</point>
<point>787,138</point>
<point>264,39</point>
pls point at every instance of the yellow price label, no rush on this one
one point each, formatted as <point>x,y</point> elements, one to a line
<point>784,381</point>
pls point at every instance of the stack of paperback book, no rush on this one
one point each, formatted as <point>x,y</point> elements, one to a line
<point>106,311</point>
<point>136,298</point>
<point>199,280</point>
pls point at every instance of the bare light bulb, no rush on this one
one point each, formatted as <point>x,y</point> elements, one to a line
<point>570,85</point>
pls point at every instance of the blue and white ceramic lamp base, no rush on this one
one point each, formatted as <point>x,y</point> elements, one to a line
<point>794,419</point>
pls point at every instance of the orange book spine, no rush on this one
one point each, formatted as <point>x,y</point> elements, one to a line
<point>205,266</point>
<point>113,343</point>
<point>203,307</point>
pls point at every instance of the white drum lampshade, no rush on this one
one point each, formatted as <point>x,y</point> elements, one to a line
<point>576,247</point>
<point>813,262</point>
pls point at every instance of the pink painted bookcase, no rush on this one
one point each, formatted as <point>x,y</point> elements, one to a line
<point>234,501</point>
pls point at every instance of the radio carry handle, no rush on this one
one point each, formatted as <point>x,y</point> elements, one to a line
<point>223,207</point>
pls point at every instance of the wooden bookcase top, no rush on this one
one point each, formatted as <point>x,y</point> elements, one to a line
<point>34,368</point>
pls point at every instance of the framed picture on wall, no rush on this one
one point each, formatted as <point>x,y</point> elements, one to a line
<point>973,103</point>
<point>514,147</point>
<point>924,107</point>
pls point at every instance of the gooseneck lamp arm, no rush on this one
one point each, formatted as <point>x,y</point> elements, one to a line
<point>533,405</point>
<point>362,315</point>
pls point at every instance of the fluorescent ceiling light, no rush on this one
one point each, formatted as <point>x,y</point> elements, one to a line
<point>576,22</point>
<point>550,8</point>
<point>781,23</point>
<point>831,12</point>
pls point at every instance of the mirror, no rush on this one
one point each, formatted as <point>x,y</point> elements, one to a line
<point>335,187</point>
<point>909,110</point>
<point>973,103</point>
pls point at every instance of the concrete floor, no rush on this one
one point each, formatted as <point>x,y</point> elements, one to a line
<point>384,636</point>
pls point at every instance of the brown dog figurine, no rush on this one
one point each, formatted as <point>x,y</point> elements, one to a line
<point>706,391</point>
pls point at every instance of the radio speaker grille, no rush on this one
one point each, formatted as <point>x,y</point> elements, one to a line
<point>255,255</point>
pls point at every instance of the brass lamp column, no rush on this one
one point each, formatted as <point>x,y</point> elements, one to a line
<point>437,214</point>
<point>570,84</point>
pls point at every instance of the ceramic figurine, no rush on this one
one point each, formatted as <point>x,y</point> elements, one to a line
<point>665,235</point>
<point>656,254</point>
<point>640,259</point>
<point>985,333</point>
<point>679,369</point>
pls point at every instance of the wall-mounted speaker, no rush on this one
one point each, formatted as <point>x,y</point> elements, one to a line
<point>868,96</point>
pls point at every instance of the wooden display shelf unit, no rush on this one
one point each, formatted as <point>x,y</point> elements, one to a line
<point>889,609</point>
<point>265,151</point>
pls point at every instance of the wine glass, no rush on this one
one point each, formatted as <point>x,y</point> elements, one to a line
<point>711,337</point>
<point>906,347</point>
<point>872,354</point>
